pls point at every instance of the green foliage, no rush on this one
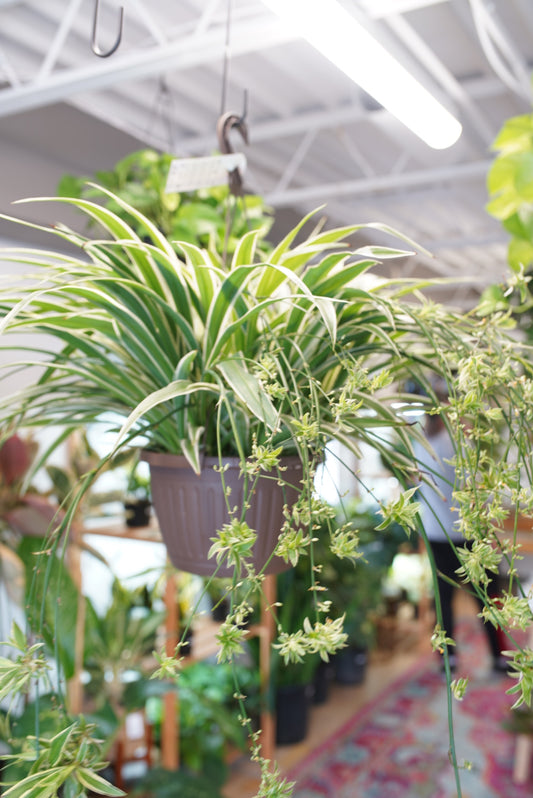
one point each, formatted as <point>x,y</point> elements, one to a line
<point>198,218</point>
<point>353,584</point>
<point>51,600</point>
<point>160,783</point>
<point>509,184</point>
<point>68,761</point>
<point>261,357</point>
<point>209,715</point>
<point>116,642</point>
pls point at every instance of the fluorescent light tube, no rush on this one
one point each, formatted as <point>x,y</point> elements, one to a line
<point>339,37</point>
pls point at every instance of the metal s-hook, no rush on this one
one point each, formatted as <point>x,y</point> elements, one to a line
<point>225,123</point>
<point>94,46</point>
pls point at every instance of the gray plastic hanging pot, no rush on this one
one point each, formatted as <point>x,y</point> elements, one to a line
<point>190,508</point>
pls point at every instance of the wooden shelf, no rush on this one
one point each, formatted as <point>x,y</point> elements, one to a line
<point>116,528</point>
<point>204,644</point>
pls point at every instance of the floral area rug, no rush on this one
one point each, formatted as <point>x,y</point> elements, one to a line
<point>398,746</point>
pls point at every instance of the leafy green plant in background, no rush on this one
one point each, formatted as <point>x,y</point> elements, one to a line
<point>199,217</point>
<point>209,716</point>
<point>510,187</point>
<point>355,586</point>
<point>117,642</point>
<point>82,459</point>
<point>260,357</point>
<point>509,184</point>
<point>161,783</point>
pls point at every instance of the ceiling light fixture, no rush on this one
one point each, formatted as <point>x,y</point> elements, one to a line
<point>346,43</point>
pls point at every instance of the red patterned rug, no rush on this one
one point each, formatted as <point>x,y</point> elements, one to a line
<point>398,746</point>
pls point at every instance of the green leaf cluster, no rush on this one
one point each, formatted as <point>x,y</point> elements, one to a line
<point>67,761</point>
<point>198,217</point>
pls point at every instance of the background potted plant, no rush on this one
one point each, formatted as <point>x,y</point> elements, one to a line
<point>292,682</point>
<point>198,217</point>
<point>138,503</point>
<point>355,587</point>
<point>81,458</point>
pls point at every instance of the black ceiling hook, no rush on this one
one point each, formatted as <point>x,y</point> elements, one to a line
<point>94,46</point>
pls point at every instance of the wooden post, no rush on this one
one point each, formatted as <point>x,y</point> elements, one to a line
<point>266,636</point>
<point>170,726</point>
<point>73,560</point>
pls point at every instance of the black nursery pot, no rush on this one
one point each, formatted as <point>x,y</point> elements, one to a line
<point>292,713</point>
<point>138,512</point>
<point>350,665</point>
<point>324,675</point>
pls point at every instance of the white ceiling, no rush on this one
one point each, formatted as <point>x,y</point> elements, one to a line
<point>314,137</point>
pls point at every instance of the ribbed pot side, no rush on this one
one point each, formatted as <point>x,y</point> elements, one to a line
<point>191,507</point>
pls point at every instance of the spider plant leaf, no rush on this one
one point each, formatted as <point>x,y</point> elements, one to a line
<point>249,389</point>
<point>228,295</point>
<point>191,447</point>
<point>201,268</point>
<point>383,253</point>
<point>58,745</point>
<point>118,228</point>
<point>245,250</point>
<point>334,283</point>
<point>170,391</point>
<point>92,781</point>
<point>40,785</point>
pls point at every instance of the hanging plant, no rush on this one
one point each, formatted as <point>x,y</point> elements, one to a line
<point>261,359</point>
<point>208,217</point>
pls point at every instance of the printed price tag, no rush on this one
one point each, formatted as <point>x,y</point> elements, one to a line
<point>189,174</point>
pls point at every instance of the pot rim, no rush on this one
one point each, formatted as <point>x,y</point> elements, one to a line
<point>168,460</point>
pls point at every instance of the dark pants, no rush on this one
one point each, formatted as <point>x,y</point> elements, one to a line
<point>447,564</point>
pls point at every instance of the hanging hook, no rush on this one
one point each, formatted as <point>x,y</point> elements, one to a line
<point>227,122</point>
<point>94,46</point>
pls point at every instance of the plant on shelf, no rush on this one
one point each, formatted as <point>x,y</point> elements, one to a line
<point>81,459</point>
<point>23,509</point>
<point>355,587</point>
<point>117,644</point>
<point>138,500</point>
<point>209,718</point>
<point>266,361</point>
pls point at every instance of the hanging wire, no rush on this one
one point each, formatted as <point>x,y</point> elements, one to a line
<point>227,57</point>
<point>233,199</point>
<point>163,107</point>
<point>513,75</point>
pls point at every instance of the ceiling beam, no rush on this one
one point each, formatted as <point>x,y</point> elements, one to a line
<point>247,36</point>
<point>384,8</point>
<point>379,183</point>
<point>325,118</point>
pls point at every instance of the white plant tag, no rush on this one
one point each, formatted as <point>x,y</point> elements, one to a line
<point>189,174</point>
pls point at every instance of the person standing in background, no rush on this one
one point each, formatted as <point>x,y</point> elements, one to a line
<point>440,523</point>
